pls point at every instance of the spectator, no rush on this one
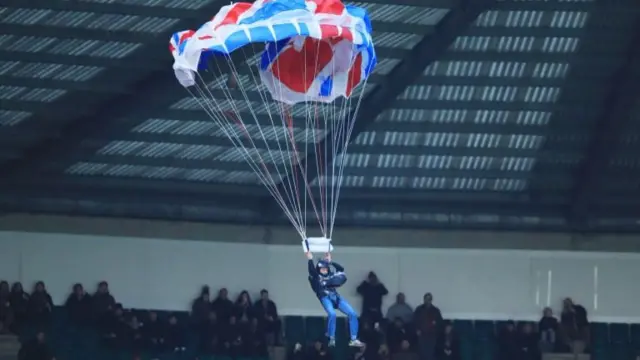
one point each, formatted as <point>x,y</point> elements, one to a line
<point>397,333</point>
<point>231,337</point>
<point>175,339</point>
<point>296,353</point>
<point>201,308</point>
<point>134,337</point>
<point>574,326</point>
<point>548,328</point>
<point>405,352</point>
<point>210,335</point>
<point>372,291</point>
<point>113,328</point>
<point>508,342</point>
<point>79,306</point>
<point>449,345</point>
<point>223,306</point>
<point>153,334</point>
<point>19,300</point>
<point>267,314</point>
<point>36,349</point>
<point>103,301</point>
<point>370,335</point>
<point>243,307</point>
<point>255,344</point>
<point>40,305</point>
<point>428,322</point>
<point>6,314</point>
<point>319,352</point>
<point>400,309</point>
<point>527,343</point>
<point>383,353</point>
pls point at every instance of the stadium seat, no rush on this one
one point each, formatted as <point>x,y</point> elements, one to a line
<point>484,341</point>
<point>294,330</point>
<point>619,333</point>
<point>464,328</point>
<point>484,329</point>
<point>599,334</point>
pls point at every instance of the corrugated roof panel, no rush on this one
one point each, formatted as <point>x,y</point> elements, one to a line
<point>461,116</point>
<point>385,66</point>
<point>42,95</point>
<point>248,108</point>
<point>165,173</point>
<point>10,118</point>
<point>347,181</point>
<point>160,150</point>
<point>429,139</point>
<point>277,157</point>
<point>441,183</point>
<point>516,43</point>
<point>482,217</point>
<point>204,128</point>
<point>510,69</point>
<point>106,49</point>
<point>481,93</point>
<point>49,71</point>
<point>403,14</point>
<point>50,45</point>
<point>396,40</point>
<point>536,18</point>
<point>86,20</point>
<point>181,4</point>
<point>436,162</point>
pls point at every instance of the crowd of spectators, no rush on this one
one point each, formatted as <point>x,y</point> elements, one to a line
<point>243,328</point>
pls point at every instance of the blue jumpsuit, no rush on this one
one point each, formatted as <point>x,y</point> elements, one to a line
<point>325,288</point>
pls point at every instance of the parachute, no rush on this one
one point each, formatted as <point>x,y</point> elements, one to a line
<point>283,79</point>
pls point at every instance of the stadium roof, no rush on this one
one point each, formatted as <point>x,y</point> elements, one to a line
<point>489,114</point>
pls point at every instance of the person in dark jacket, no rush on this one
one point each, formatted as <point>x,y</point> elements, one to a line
<point>548,330</point>
<point>210,335</point>
<point>296,352</point>
<point>448,345</point>
<point>398,332</point>
<point>153,334</point>
<point>6,314</point>
<point>372,292</point>
<point>574,326</point>
<point>175,335</point>
<point>266,312</point>
<point>371,335</point>
<point>223,306</point>
<point>36,349</point>
<point>243,309</point>
<point>319,352</point>
<point>527,342</point>
<point>103,301</point>
<point>324,283</point>
<point>19,300</point>
<point>79,306</point>
<point>428,323</point>
<point>40,305</point>
<point>114,328</point>
<point>201,308</point>
<point>508,342</point>
<point>135,340</point>
<point>254,341</point>
<point>231,338</point>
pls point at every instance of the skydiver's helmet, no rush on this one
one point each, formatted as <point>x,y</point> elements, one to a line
<point>323,268</point>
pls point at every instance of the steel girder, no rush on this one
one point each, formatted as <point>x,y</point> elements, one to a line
<point>616,114</point>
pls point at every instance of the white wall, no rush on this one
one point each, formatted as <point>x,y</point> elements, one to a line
<point>479,284</point>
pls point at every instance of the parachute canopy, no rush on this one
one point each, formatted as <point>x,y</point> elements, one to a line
<point>282,80</point>
<point>315,50</point>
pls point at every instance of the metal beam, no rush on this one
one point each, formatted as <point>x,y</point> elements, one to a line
<point>384,95</point>
<point>83,33</point>
<point>624,92</point>
<point>131,63</point>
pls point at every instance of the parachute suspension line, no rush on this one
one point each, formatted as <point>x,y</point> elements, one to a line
<point>233,135</point>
